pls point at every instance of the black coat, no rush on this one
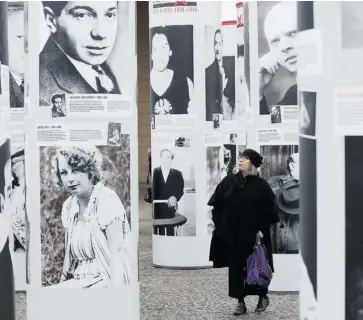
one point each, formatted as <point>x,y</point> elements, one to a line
<point>241,208</point>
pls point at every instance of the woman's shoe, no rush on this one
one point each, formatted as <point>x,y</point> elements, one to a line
<point>240,309</point>
<point>263,303</point>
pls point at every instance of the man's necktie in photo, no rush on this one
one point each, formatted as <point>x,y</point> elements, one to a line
<point>103,81</point>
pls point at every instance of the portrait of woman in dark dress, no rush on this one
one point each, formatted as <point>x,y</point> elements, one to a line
<point>243,207</point>
<point>171,91</point>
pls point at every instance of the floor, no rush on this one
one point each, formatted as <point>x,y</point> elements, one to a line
<point>189,295</point>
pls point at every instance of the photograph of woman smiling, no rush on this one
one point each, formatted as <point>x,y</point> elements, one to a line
<point>97,231</point>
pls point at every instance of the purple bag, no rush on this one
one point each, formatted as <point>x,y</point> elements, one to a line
<point>258,270</point>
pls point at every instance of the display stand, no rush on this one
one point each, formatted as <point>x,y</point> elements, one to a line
<point>181,49</point>
<point>81,162</point>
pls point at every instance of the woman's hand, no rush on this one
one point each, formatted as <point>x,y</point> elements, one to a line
<point>260,234</point>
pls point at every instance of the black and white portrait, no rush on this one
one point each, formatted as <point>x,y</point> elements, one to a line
<point>171,69</point>
<point>352,24</point>
<point>353,224</point>
<point>216,120</point>
<point>219,76</point>
<point>174,193</point>
<point>16,35</point>
<point>214,176</point>
<point>280,168</point>
<point>114,134</point>
<point>85,216</point>
<point>58,106</point>
<point>308,227</point>
<point>275,113</point>
<point>4,43</point>
<point>229,154</point>
<point>6,267</point>
<point>18,199</point>
<point>277,34</point>
<point>75,58</point>
<point>307,112</point>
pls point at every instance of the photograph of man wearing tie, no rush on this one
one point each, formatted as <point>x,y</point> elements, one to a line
<point>74,58</point>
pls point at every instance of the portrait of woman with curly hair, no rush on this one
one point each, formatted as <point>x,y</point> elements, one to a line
<point>97,236</point>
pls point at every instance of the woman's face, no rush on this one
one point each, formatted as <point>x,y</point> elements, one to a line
<point>244,164</point>
<point>161,52</point>
<point>75,182</point>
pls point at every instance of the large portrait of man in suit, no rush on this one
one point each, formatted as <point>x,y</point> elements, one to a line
<point>215,80</point>
<point>74,58</point>
<point>168,185</point>
<point>16,31</point>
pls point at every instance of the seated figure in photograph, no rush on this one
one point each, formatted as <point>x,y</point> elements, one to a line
<point>168,185</point>
<point>97,242</point>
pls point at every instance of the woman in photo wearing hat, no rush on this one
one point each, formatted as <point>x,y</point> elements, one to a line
<point>243,206</point>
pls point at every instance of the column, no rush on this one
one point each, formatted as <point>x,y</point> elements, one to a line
<point>186,107</point>
<point>81,161</point>
<point>270,74</point>
<point>330,90</point>
<point>7,296</point>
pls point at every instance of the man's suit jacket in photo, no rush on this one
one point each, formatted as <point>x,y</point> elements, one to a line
<point>58,75</point>
<point>163,190</point>
<point>213,90</point>
<point>16,93</point>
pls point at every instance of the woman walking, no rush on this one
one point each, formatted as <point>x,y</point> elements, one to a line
<point>243,207</point>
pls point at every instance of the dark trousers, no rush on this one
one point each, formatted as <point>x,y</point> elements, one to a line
<point>237,287</point>
<point>7,295</point>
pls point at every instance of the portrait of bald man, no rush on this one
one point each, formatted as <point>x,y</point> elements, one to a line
<point>74,59</point>
<point>277,34</point>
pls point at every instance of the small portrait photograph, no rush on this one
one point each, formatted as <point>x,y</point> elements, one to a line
<point>16,47</point>
<point>216,121</point>
<point>114,134</point>
<point>275,113</point>
<point>79,45</point>
<point>174,193</point>
<point>182,142</point>
<point>59,105</point>
<point>351,24</point>
<point>307,113</point>
<point>232,138</point>
<point>353,223</point>
<point>308,227</point>
<point>171,70</point>
<point>220,89</point>
<point>85,216</point>
<point>277,34</point>
<point>281,169</point>
<point>215,162</point>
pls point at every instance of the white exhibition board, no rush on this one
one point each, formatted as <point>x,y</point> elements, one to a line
<point>83,123</point>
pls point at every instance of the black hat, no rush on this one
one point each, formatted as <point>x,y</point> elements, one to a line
<point>253,156</point>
